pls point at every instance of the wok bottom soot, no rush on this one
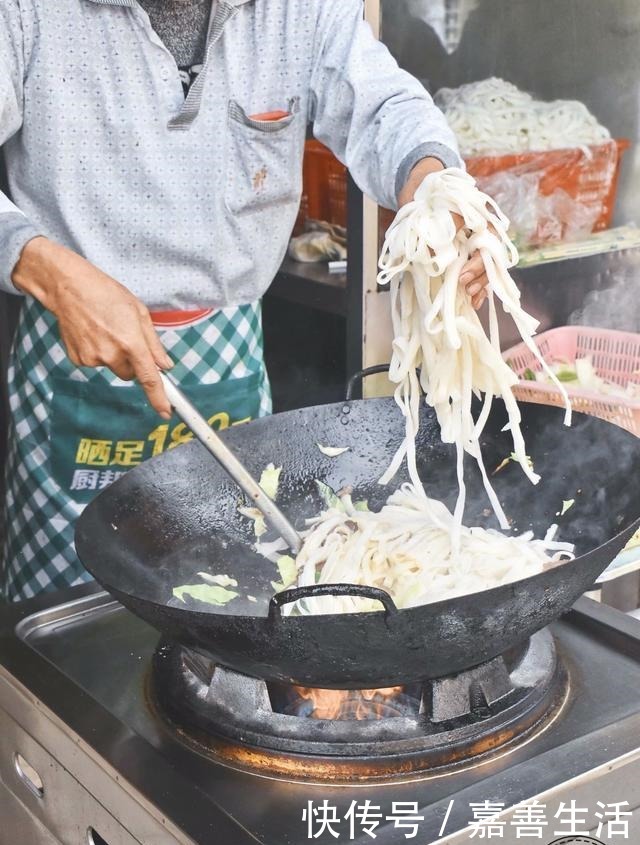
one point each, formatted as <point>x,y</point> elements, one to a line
<point>346,736</point>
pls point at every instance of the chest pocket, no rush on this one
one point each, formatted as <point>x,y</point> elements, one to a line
<point>264,160</point>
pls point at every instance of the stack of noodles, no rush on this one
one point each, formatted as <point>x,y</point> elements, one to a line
<point>414,548</point>
<point>496,117</point>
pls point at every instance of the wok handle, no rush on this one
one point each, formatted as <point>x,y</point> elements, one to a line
<point>228,461</point>
<point>362,374</point>
<point>359,590</point>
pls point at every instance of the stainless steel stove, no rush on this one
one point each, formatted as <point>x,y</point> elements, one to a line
<point>97,747</point>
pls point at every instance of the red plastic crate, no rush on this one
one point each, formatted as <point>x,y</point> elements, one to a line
<point>589,176</point>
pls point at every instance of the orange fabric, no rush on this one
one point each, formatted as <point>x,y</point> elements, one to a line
<point>270,115</point>
<point>175,319</point>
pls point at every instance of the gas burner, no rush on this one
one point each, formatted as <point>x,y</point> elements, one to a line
<point>342,736</point>
<point>345,705</point>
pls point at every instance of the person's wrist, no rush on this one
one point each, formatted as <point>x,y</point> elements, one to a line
<point>427,165</point>
<point>418,173</point>
<point>35,272</point>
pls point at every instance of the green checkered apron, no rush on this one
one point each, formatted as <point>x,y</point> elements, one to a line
<point>75,430</point>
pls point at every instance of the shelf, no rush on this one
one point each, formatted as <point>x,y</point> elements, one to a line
<point>600,243</point>
<point>311,285</point>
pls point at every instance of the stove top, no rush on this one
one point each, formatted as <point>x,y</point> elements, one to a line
<point>352,736</point>
<point>83,666</point>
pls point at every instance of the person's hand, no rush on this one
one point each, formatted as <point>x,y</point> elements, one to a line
<point>472,276</point>
<point>101,322</point>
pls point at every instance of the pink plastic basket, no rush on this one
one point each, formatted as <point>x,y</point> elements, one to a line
<point>615,357</point>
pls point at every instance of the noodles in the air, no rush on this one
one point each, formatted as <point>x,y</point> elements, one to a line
<point>440,346</point>
<point>414,548</point>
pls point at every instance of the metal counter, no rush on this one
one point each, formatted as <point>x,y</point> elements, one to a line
<point>72,703</point>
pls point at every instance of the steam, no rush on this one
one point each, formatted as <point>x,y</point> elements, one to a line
<point>617,307</point>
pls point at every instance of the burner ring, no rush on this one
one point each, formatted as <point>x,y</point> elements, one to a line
<point>460,720</point>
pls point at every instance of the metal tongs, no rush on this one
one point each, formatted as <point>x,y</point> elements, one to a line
<point>228,461</point>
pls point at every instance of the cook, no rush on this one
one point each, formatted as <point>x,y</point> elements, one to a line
<point>154,152</point>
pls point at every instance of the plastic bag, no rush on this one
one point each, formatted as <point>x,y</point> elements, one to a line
<point>561,195</point>
<point>322,242</point>
<point>537,218</point>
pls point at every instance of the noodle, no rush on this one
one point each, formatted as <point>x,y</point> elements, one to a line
<point>493,116</point>
<point>406,552</point>
<point>415,548</point>
<point>438,333</point>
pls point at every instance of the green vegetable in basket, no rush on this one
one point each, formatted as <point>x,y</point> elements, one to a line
<point>566,375</point>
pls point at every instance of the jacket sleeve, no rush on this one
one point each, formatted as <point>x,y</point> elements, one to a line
<point>375,117</point>
<point>15,229</point>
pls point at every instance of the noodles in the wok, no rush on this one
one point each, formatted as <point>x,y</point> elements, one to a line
<point>406,550</point>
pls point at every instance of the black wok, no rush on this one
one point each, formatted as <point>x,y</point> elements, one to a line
<point>176,515</point>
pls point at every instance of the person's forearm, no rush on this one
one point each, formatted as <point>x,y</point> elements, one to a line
<point>101,322</point>
<point>375,117</point>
